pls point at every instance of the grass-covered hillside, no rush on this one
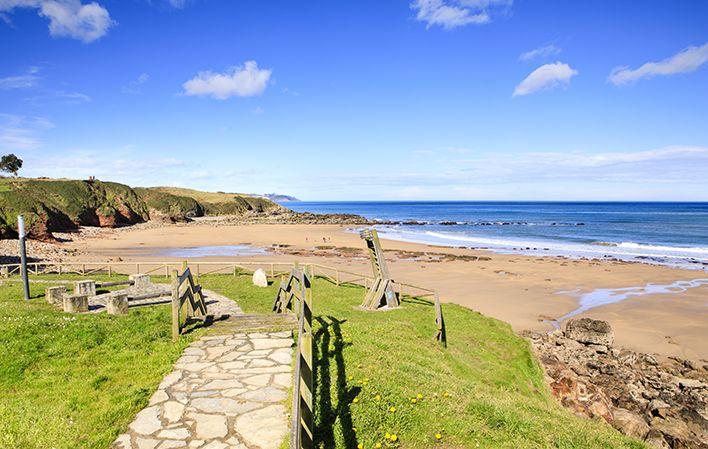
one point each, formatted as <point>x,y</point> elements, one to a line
<point>382,382</point>
<point>63,204</point>
<point>76,381</point>
<point>220,203</point>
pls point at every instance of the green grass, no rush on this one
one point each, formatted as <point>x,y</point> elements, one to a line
<point>485,390</point>
<point>76,381</point>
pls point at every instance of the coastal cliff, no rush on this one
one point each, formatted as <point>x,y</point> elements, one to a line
<point>53,205</point>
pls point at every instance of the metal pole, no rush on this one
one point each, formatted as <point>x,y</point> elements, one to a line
<point>23,254</point>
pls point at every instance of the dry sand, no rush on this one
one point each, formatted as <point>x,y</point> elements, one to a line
<point>521,290</point>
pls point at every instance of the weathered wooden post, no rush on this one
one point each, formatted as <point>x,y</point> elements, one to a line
<point>175,305</point>
<point>440,334</point>
<point>117,304</point>
<point>23,255</point>
<point>381,292</point>
<point>302,419</point>
<point>76,303</point>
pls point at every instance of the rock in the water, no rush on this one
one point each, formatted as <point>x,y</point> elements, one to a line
<point>589,331</point>
<point>259,278</point>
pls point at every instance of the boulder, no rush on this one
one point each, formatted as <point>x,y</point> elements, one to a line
<point>589,331</point>
<point>629,423</point>
<point>259,278</point>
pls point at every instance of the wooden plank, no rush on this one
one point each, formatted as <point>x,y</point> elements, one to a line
<point>175,306</point>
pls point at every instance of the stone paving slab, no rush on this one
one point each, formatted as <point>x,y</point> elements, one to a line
<point>226,392</point>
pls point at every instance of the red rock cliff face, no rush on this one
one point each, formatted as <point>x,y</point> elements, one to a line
<point>63,205</point>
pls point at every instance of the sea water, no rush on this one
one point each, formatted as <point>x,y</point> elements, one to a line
<point>673,234</point>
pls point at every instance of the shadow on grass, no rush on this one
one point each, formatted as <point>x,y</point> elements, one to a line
<point>417,300</point>
<point>328,347</point>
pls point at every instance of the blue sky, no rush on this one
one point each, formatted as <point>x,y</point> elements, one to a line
<point>430,99</point>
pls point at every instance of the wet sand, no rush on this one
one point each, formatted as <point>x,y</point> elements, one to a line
<point>521,290</point>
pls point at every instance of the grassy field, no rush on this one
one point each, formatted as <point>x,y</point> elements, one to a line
<point>380,374</point>
<point>77,381</point>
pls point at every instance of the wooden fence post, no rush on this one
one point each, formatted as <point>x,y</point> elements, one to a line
<point>175,306</point>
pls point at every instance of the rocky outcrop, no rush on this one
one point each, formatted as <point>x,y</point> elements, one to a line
<point>663,402</point>
<point>50,205</point>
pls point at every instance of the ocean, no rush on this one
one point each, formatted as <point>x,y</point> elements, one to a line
<point>674,234</point>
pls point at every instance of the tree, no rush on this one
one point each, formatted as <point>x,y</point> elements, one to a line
<point>10,163</point>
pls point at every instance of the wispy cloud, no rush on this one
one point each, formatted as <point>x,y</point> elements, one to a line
<point>243,81</point>
<point>21,133</point>
<point>685,61</point>
<point>135,86</point>
<point>121,164</point>
<point>540,52</point>
<point>24,81</point>
<point>59,95</point>
<point>67,18</point>
<point>533,175</point>
<point>547,76</point>
<point>450,14</point>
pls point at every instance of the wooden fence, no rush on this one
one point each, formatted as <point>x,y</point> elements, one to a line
<point>272,269</point>
<point>188,301</point>
<point>295,294</point>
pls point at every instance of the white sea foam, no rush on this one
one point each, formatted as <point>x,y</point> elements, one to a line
<point>687,257</point>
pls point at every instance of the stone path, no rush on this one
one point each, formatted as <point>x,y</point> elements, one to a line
<point>226,392</point>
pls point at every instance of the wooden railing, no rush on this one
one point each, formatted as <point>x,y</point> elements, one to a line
<point>188,301</point>
<point>295,294</point>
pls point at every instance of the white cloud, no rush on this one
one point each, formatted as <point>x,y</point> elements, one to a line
<point>179,4</point>
<point>68,18</point>
<point>685,61</point>
<point>540,52</point>
<point>450,14</point>
<point>29,79</point>
<point>243,81</point>
<point>135,87</point>
<point>21,133</point>
<point>547,76</point>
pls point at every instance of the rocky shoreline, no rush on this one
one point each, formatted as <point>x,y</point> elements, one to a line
<point>661,401</point>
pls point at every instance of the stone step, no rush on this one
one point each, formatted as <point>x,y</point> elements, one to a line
<point>256,323</point>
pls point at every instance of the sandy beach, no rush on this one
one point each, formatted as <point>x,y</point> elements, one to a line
<point>521,290</point>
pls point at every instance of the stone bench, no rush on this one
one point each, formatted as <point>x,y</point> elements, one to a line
<point>76,304</point>
<point>140,280</point>
<point>117,304</point>
<point>55,295</point>
<point>85,287</point>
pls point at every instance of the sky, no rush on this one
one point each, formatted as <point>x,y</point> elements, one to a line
<point>363,100</point>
